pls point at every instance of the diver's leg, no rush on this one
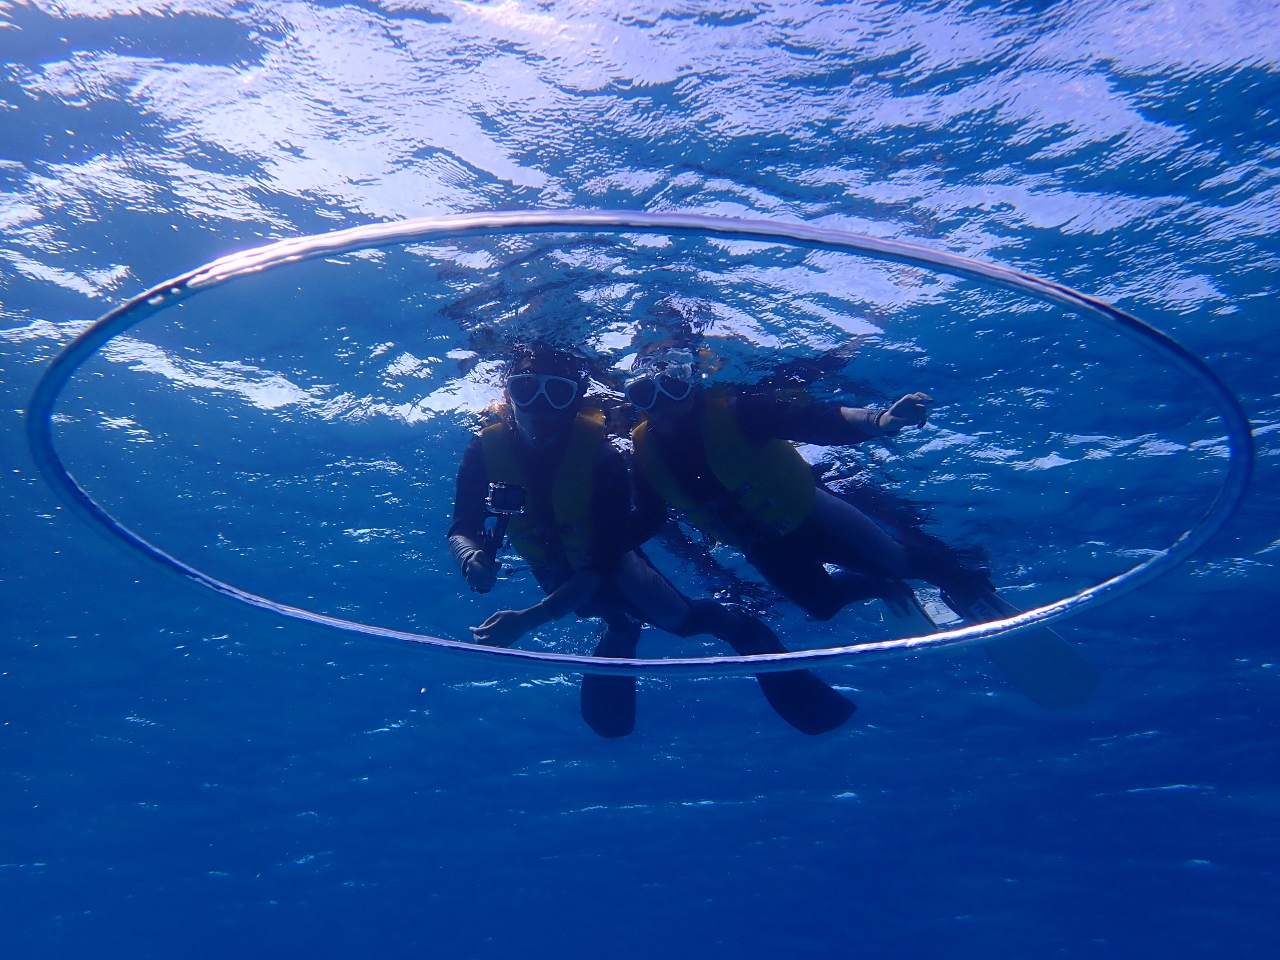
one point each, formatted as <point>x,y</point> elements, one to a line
<point>794,567</point>
<point>963,585</point>
<point>609,701</point>
<point>863,544</point>
<point>650,594</point>
<point>797,696</point>
<point>937,563</point>
<point>823,594</point>
<point>855,531</point>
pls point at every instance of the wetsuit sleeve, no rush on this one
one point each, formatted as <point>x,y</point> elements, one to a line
<point>649,510</point>
<point>610,510</point>
<point>467,530</point>
<point>762,417</point>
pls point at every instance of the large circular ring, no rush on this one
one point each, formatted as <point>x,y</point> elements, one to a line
<point>158,298</point>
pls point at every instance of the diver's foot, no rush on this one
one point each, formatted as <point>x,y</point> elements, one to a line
<point>909,615</point>
<point>971,596</point>
<point>960,588</point>
<point>933,561</point>
<point>900,598</point>
<point>854,586</point>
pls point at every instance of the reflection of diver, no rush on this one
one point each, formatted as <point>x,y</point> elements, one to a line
<point>575,531</point>
<point>725,462</point>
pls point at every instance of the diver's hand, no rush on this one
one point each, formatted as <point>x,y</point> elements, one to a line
<point>911,410</point>
<point>505,627</point>
<point>481,571</point>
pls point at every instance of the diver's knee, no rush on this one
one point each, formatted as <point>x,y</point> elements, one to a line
<point>822,612</point>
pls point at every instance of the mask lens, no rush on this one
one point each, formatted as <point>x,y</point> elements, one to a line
<point>560,391</point>
<point>523,389</point>
<point>643,393</point>
<point>675,387</point>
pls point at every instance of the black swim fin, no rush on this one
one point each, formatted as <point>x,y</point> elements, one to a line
<point>797,696</point>
<point>609,704</point>
<point>805,701</point>
<point>1038,662</point>
<point>609,701</point>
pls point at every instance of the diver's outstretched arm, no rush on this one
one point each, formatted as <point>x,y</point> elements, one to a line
<point>507,626</point>
<point>762,417</point>
<point>911,410</point>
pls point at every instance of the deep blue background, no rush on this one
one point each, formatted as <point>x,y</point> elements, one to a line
<point>183,778</point>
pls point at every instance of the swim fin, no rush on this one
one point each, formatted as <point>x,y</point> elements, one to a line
<point>1038,662</point>
<point>608,702</point>
<point>805,701</point>
<point>797,696</point>
<point>907,610</point>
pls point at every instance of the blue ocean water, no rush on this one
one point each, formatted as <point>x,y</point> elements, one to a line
<point>184,777</point>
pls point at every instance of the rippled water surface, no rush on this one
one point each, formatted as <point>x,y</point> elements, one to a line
<point>182,777</point>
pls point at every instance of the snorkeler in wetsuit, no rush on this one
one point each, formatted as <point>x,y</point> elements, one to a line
<point>576,533</point>
<point>726,462</point>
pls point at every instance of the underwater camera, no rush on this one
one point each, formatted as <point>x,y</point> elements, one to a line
<point>505,500</point>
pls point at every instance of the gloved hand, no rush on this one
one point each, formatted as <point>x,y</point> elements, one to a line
<point>911,410</point>
<point>481,571</point>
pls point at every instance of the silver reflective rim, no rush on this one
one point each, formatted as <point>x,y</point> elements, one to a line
<point>186,285</point>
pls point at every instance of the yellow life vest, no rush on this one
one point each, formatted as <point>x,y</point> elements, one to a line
<point>543,538</point>
<point>770,482</point>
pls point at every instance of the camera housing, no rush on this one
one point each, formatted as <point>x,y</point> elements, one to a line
<point>505,500</point>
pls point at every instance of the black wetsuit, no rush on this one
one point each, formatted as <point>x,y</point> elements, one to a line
<point>792,563</point>
<point>632,591</point>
